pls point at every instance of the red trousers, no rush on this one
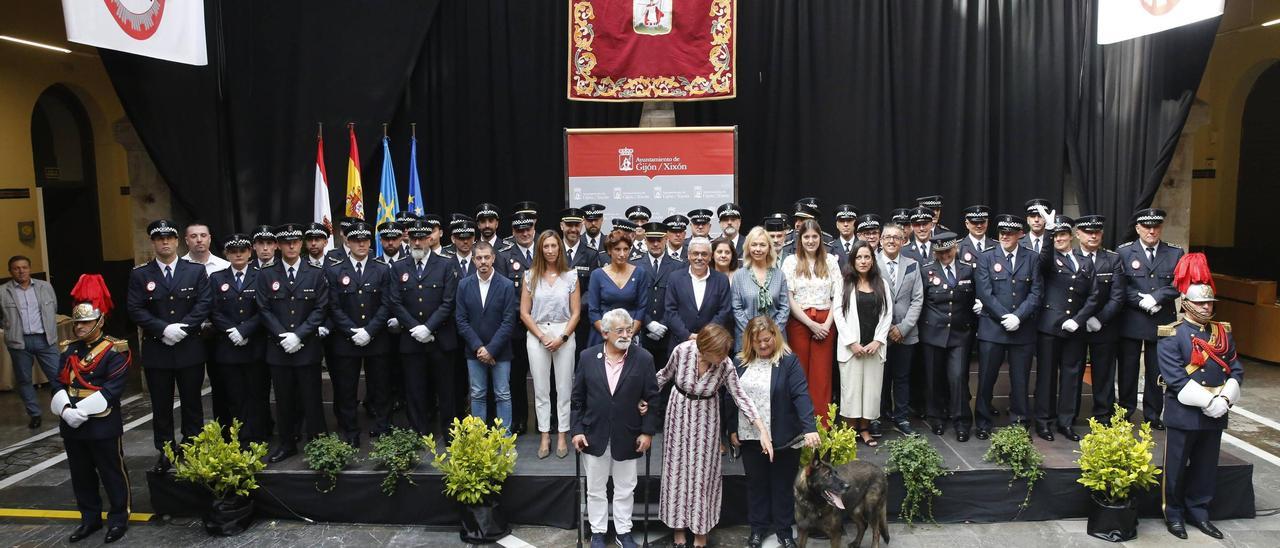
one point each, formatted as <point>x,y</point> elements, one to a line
<point>816,357</point>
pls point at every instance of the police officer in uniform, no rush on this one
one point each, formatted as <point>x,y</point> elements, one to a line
<point>846,232</point>
<point>868,228</point>
<point>1009,286</point>
<point>592,221</point>
<point>659,265</point>
<point>934,203</point>
<point>437,232</point>
<point>240,382</point>
<point>1198,363</point>
<point>976,241</point>
<point>264,247</point>
<point>699,224</point>
<point>947,322</point>
<point>582,259</point>
<point>339,253</point>
<point>486,219</point>
<point>292,298</point>
<point>390,234</point>
<point>394,249</point>
<point>316,238</point>
<point>1039,218</point>
<point>462,232</point>
<point>87,396</point>
<point>1101,336</point>
<point>921,231</point>
<point>1149,295</point>
<point>676,225</point>
<point>1067,301</point>
<point>168,299</point>
<point>513,260</point>
<point>730,216</point>
<point>775,225</point>
<point>638,214</point>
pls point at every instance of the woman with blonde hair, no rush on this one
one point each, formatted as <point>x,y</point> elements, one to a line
<point>549,309</point>
<point>815,288</point>
<point>862,331</point>
<point>759,288</point>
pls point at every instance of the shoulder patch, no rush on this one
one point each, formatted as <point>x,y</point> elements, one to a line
<point>1226,326</point>
<point>141,265</point>
<point>1168,330</point>
<point>1175,246</point>
<point>1108,251</point>
<point>929,264</point>
<point>119,345</point>
<point>1126,244</point>
<point>970,265</point>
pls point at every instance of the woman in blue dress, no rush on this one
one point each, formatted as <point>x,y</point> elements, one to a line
<point>617,285</point>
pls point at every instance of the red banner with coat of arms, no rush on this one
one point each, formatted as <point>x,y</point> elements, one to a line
<point>651,50</point>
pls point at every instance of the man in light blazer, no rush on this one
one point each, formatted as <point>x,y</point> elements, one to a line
<point>609,385</point>
<point>29,308</point>
<point>485,312</point>
<point>907,297</point>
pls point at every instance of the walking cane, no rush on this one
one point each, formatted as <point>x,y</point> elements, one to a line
<point>579,494</point>
<point>648,504</point>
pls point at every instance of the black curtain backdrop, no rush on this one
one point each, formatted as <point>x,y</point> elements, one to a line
<point>871,103</point>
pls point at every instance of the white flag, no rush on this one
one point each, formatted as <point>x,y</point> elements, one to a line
<point>172,30</point>
<point>321,211</point>
<point>1120,20</point>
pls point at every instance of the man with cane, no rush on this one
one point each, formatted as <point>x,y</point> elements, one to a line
<point>609,430</point>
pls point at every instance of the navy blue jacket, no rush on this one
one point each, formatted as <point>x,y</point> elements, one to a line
<point>967,252</point>
<point>654,309</point>
<point>492,324</point>
<point>790,409</point>
<point>1174,355</point>
<point>236,308</point>
<point>298,308</point>
<point>946,316</point>
<point>680,313</point>
<point>426,300</point>
<point>359,302</point>
<point>111,376</point>
<point>1141,276</point>
<point>153,304</point>
<point>1108,286</point>
<point>613,419</point>
<point>1046,241</point>
<point>1008,291</point>
<point>1066,294</point>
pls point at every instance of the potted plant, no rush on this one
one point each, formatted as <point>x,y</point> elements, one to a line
<point>328,454</point>
<point>921,466</point>
<point>399,451</point>
<point>1012,447</point>
<point>838,443</point>
<point>475,464</point>
<point>218,464</point>
<point>1113,463</point>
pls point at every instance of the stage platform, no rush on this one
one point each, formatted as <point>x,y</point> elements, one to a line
<point>543,491</point>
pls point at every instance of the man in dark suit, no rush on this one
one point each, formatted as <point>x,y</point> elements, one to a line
<point>1040,215</point>
<point>696,296</point>
<point>169,298</point>
<point>422,296</point>
<point>846,232</point>
<point>514,259</point>
<point>293,298</point>
<point>358,312</point>
<point>1148,264</point>
<point>1008,284</point>
<point>947,321</point>
<point>582,259</point>
<point>240,383</point>
<point>1067,300</point>
<point>485,309</point>
<point>659,265</point>
<point>609,385</point>
<point>976,241</point>
<point>1101,334</point>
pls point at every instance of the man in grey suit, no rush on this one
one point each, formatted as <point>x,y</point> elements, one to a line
<point>903,274</point>
<point>30,330</point>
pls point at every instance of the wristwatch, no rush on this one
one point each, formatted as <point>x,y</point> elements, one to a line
<point>564,338</point>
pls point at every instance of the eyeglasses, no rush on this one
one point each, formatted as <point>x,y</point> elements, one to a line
<point>622,331</point>
<point>892,238</point>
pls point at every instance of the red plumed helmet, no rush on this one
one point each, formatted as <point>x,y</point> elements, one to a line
<point>93,290</point>
<point>1193,278</point>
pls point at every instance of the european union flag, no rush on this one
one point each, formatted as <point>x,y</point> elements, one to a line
<point>415,186</point>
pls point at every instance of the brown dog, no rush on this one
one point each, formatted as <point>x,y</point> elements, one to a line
<point>826,493</point>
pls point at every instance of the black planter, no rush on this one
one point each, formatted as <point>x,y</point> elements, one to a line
<point>229,516</point>
<point>1113,523</point>
<point>483,523</point>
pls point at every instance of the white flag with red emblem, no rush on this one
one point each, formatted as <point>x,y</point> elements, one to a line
<point>1120,20</point>
<point>172,30</point>
<point>322,211</point>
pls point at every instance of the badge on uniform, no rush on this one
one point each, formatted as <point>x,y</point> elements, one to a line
<point>968,257</point>
<point>936,281</point>
<point>515,265</point>
<point>997,267</point>
<point>275,286</point>
<point>346,280</point>
<point>404,277</point>
<point>1059,261</point>
<point>225,287</point>
<point>151,286</point>
<point>1136,265</point>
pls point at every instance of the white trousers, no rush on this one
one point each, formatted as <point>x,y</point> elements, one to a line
<point>860,381</point>
<point>540,365</point>
<point>599,469</point>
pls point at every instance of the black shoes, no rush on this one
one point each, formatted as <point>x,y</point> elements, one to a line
<point>755,540</point>
<point>787,542</point>
<point>984,434</point>
<point>1177,529</point>
<point>1208,529</point>
<point>875,430</point>
<point>162,464</point>
<point>34,423</point>
<point>1156,424</point>
<point>282,452</point>
<point>1045,434</point>
<point>1069,433</point>
<point>115,533</point>
<point>962,436</point>
<point>83,531</point>
<point>905,428</point>
<point>937,429</point>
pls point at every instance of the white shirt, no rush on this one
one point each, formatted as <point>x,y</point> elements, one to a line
<point>699,287</point>
<point>977,242</point>
<point>484,287</point>
<point>357,264</point>
<point>1005,253</point>
<point>214,264</point>
<point>173,266</point>
<point>811,291</point>
<point>756,382</point>
<point>673,252</point>
<point>846,245</point>
<point>572,250</point>
<point>526,252</point>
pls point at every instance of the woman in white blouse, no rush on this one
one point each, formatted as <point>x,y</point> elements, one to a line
<point>862,330</point>
<point>549,310</point>
<point>815,288</point>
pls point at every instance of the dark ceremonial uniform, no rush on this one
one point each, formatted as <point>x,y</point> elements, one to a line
<point>1067,294</point>
<point>357,300</point>
<point>1108,283</point>
<point>654,310</point>
<point>240,380</point>
<point>947,324</point>
<point>424,295</point>
<point>1138,327</point>
<point>1006,289</point>
<point>295,306</point>
<point>95,449</point>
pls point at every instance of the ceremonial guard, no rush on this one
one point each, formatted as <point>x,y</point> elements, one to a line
<point>659,265</point>
<point>1067,300</point>
<point>1198,364</point>
<point>1039,218</point>
<point>1149,297</point>
<point>241,384</point>
<point>462,234</point>
<point>582,259</point>
<point>264,247</point>
<point>947,322</point>
<point>592,221</point>
<point>1101,335</point>
<point>293,297</point>
<point>421,298</point>
<point>168,299</point>
<point>976,241</point>
<point>1008,284</point>
<point>87,396</point>
<point>390,235</point>
<point>730,216</point>
<point>846,232</point>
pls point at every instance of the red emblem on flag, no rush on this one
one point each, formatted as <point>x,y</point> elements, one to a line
<point>139,25</point>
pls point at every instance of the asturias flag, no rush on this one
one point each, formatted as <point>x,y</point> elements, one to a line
<point>355,192</point>
<point>388,199</point>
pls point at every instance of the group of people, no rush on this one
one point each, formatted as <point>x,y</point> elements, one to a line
<point>741,337</point>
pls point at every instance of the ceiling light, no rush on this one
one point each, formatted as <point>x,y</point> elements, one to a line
<point>1271,22</point>
<point>33,44</point>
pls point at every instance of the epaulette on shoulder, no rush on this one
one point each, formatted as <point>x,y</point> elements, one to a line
<point>991,249</point>
<point>966,263</point>
<point>1168,330</point>
<point>1126,244</point>
<point>929,264</point>
<point>1226,326</point>
<point>141,265</point>
<point>506,245</point>
<point>1105,250</point>
<point>445,252</point>
<point>1175,246</point>
<point>333,259</point>
<point>119,345</point>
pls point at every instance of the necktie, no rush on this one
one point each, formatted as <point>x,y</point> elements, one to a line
<point>1091,259</point>
<point>951,277</point>
<point>1151,254</point>
<point>359,270</point>
<point>168,275</point>
<point>924,250</point>
<point>239,280</point>
<point>893,273</point>
<point>420,266</point>
<point>655,264</point>
<point>291,279</point>
<point>979,246</point>
<point>463,265</point>
<point>1036,243</point>
<point>848,248</point>
<point>1009,257</point>
<point>1075,265</point>
<point>569,255</point>
<point>528,255</point>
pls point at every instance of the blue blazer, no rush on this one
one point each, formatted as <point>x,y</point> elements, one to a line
<point>790,409</point>
<point>299,308</point>
<point>489,325</point>
<point>359,302</point>
<point>428,301</point>
<point>683,319</point>
<point>1155,279</point>
<point>236,308</point>
<point>613,419</point>
<point>1008,291</point>
<point>1174,357</point>
<point>154,303</point>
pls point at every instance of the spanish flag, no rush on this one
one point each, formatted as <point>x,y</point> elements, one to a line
<point>355,192</point>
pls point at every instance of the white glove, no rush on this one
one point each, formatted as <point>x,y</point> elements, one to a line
<point>234,335</point>
<point>977,306</point>
<point>431,338</point>
<point>173,333</point>
<point>74,417</point>
<point>322,331</point>
<point>1217,408</point>
<point>360,337</point>
<point>653,336</point>
<point>1147,303</point>
<point>60,401</point>
<point>94,404</point>
<point>1070,326</point>
<point>658,329</point>
<point>290,343</point>
<point>1049,216</point>
<point>1093,325</point>
<point>1155,310</point>
<point>1010,322</point>
<point>1194,395</point>
<point>1231,391</point>
<point>392,323</point>
<point>421,333</point>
